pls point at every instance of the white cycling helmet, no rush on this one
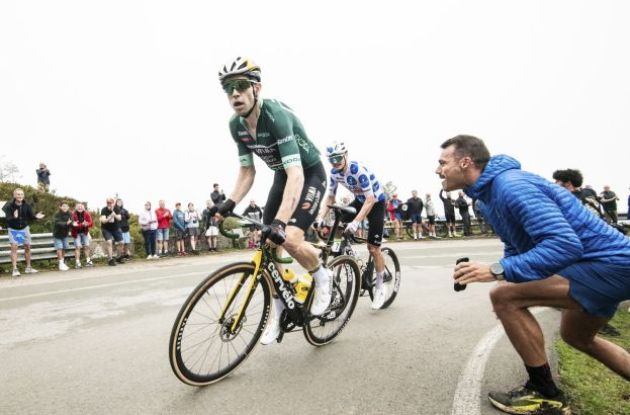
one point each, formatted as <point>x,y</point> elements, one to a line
<point>338,148</point>
<point>240,66</point>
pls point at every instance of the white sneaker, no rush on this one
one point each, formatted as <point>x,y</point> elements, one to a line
<point>63,267</point>
<point>30,270</point>
<point>321,296</point>
<point>379,297</point>
<point>78,265</point>
<point>156,257</point>
<point>16,272</point>
<point>271,333</point>
<point>89,263</point>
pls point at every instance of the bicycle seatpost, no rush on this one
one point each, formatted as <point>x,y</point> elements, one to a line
<point>457,286</point>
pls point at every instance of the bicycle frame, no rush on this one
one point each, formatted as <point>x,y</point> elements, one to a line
<point>264,267</point>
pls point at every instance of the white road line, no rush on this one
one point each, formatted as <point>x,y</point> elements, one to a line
<point>92,287</point>
<point>467,400</point>
<point>455,255</point>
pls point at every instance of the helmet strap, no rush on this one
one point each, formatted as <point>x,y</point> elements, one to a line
<point>255,102</point>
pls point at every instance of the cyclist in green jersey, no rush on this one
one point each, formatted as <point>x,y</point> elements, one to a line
<point>270,129</point>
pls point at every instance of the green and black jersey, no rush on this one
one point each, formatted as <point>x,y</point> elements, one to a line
<point>280,141</point>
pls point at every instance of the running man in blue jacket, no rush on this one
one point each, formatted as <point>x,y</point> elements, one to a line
<point>557,254</point>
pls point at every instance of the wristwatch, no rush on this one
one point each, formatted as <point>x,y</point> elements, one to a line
<point>497,271</point>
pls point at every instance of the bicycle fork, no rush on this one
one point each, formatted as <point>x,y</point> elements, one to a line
<point>251,285</point>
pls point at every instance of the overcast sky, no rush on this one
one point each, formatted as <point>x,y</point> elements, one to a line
<point>122,96</point>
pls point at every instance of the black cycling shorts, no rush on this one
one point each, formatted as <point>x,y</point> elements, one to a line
<point>376,221</point>
<point>310,199</point>
<point>450,217</point>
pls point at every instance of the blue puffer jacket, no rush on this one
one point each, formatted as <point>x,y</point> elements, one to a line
<point>543,226</point>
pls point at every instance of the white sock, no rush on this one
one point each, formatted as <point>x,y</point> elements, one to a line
<point>379,280</point>
<point>321,276</point>
<point>278,307</point>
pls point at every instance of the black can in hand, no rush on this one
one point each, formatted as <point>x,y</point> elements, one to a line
<point>457,286</point>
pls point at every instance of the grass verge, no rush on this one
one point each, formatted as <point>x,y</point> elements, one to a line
<point>591,387</point>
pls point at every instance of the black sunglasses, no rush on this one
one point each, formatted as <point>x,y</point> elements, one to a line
<point>236,84</point>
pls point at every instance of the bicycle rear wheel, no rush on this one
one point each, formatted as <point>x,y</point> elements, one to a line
<point>391,280</point>
<point>323,329</point>
<point>204,348</point>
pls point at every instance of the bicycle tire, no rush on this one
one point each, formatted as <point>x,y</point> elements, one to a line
<point>193,327</point>
<point>345,293</point>
<point>393,265</point>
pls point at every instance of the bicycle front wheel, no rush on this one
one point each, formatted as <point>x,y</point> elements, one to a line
<point>323,329</point>
<point>391,279</point>
<point>205,344</point>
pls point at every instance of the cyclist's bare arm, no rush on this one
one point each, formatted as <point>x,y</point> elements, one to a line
<point>292,192</point>
<point>370,200</point>
<point>244,183</point>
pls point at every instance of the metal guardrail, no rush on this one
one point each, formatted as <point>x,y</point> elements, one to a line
<point>42,247</point>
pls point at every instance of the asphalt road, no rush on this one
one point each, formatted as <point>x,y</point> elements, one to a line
<point>96,342</point>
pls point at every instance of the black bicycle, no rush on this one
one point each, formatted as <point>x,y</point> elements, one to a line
<point>220,323</point>
<point>340,243</point>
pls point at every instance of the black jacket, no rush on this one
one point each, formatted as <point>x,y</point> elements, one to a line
<point>25,214</point>
<point>61,224</point>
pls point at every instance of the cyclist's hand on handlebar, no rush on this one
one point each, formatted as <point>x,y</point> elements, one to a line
<point>222,210</point>
<point>352,227</point>
<point>275,232</point>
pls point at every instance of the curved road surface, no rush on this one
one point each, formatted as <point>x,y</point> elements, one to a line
<point>96,342</point>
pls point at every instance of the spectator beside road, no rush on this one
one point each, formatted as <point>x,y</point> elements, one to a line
<point>43,178</point>
<point>191,217</point>
<point>479,216</point>
<point>149,224</point>
<point>217,195</point>
<point>179,221</point>
<point>556,254</point>
<point>430,209</point>
<point>608,199</point>
<point>462,205</point>
<point>211,226</point>
<point>19,214</point>
<point>110,228</point>
<point>255,212</point>
<point>164,218</point>
<point>414,210</point>
<point>62,223</point>
<point>394,206</point>
<point>571,180</point>
<point>124,227</point>
<point>81,224</point>
<point>449,212</point>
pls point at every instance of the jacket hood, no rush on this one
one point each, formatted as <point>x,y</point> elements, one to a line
<point>497,165</point>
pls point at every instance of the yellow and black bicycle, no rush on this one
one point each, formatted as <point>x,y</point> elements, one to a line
<point>221,321</point>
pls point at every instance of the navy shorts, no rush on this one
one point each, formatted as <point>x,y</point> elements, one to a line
<point>108,235</point>
<point>598,286</point>
<point>416,218</point>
